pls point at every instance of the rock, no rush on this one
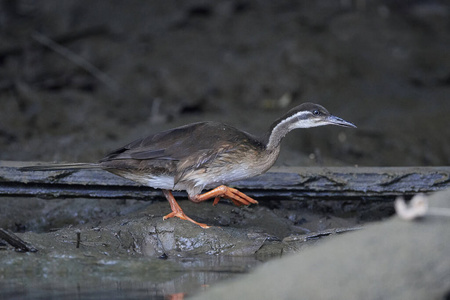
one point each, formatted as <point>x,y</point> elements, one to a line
<point>394,259</point>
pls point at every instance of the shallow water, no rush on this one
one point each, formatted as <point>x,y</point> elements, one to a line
<point>83,277</point>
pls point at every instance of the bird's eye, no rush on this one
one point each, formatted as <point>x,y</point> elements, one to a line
<point>316,112</point>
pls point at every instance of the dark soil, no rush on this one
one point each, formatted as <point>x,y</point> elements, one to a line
<point>81,78</point>
<point>384,66</point>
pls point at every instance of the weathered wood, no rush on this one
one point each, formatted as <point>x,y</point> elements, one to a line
<point>286,183</point>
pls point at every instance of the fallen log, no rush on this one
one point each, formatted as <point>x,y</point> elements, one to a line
<point>294,183</point>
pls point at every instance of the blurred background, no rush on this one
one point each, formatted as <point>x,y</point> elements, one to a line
<point>80,78</point>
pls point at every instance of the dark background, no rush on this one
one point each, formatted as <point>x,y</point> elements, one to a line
<point>80,78</point>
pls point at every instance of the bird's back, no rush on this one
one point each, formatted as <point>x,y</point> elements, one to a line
<point>183,142</point>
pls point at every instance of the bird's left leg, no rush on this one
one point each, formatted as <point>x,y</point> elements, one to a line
<point>223,191</point>
<point>177,211</point>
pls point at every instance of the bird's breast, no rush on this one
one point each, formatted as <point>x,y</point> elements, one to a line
<point>228,167</point>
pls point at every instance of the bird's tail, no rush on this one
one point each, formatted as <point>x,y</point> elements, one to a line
<point>61,166</point>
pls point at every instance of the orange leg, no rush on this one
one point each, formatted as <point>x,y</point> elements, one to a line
<point>223,191</point>
<point>177,211</point>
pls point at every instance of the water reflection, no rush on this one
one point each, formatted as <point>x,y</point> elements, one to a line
<point>124,278</point>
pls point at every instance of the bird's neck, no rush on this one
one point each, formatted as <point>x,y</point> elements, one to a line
<point>282,126</point>
<point>275,134</point>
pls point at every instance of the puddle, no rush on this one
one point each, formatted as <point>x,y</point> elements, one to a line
<point>81,277</point>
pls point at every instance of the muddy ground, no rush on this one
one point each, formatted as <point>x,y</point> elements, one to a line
<point>81,78</point>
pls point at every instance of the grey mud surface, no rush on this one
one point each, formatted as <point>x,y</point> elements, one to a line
<point>383,65</point>
<point>152,257</point>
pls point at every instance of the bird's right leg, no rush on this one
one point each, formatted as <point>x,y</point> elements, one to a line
<point>224,191</point>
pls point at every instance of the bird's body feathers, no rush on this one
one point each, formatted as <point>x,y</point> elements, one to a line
<point>190,157</point>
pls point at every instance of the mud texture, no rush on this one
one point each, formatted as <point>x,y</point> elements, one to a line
<point>382,65</point>
<point>81,78</point>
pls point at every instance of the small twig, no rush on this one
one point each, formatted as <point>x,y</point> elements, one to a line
<point>61,39</point>
<point>78,232</point>
<point>319,234</point>
<point>16,242</point>
<point>76,59</point>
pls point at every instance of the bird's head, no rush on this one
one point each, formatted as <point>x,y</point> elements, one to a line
<point>305,115</point>
<point>309,115</point>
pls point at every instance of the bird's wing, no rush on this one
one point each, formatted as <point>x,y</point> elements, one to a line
<point>200,140</point>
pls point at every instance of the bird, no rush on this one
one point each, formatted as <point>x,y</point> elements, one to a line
<point>203,155</point>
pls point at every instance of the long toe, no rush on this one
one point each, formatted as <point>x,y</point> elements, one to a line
<point>241,197</point>
<point>223,191</point>
<point>181,215</point>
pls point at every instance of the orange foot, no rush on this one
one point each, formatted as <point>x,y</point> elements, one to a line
<point>223,191</point>
<point>177,211</point>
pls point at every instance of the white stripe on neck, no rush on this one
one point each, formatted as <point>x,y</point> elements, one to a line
<point>286,125</point>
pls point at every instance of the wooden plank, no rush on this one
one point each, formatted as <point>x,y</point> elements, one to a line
<point>286,183</point>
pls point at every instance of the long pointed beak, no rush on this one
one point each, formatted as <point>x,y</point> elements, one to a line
<point>333,120</point>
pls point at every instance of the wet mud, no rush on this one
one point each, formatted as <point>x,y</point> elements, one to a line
<point>81,78</point>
